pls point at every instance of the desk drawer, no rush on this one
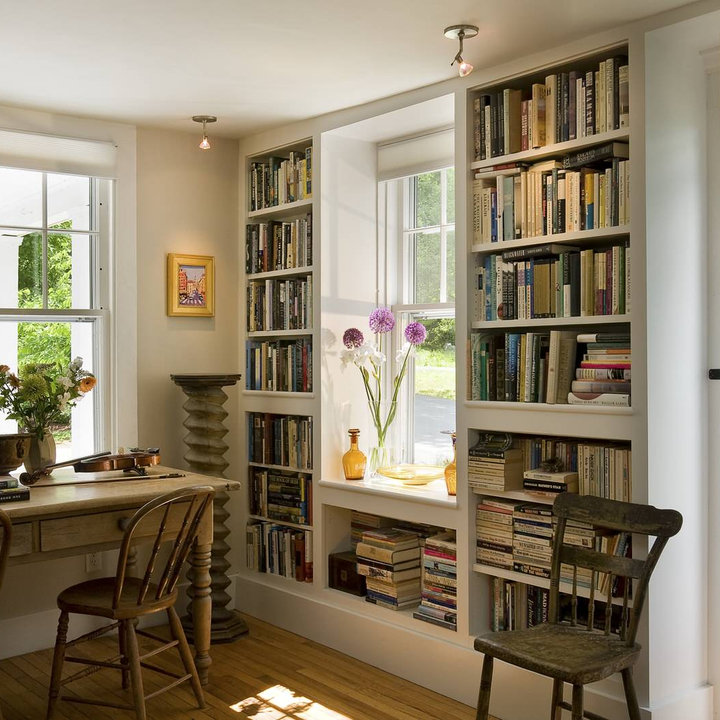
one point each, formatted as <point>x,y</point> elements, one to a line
<point>103,527</point>
<point>21,540</point>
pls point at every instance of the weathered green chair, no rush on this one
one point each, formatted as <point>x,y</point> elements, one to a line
<point>576,653</point>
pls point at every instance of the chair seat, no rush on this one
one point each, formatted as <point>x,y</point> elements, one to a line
<point>571,654</point>
<point>95,597</point>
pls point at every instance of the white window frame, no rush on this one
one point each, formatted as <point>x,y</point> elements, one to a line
<point>100,234</point>
<point>396,205</point>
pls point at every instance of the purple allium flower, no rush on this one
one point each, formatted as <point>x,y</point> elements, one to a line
<point>353,338</point>
<point>381,320</point>
<point>415,333</point>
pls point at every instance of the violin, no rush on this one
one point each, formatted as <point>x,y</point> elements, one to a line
<point>134,461</point>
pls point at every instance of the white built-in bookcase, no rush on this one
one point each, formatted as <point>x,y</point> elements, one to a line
<point>348,268</point>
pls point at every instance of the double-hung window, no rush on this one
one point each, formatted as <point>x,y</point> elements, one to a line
<point>421,273</point>
<point>54,232</point>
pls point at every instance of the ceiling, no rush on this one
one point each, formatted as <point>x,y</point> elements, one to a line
<point>261,63</point>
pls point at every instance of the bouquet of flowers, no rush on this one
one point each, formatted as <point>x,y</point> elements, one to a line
<point>41,395</point>
<point>370,359</point>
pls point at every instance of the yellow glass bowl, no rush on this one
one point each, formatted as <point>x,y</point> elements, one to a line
<point>410,474</point>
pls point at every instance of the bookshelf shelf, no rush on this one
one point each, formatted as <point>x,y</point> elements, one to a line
<point>288,272</point>
<point>279,333</point>
<point>284,211</point>
<point>549,151</point>
<point>287,468</point>
<point>576,237</point>
<point>280,394</point>
<point>575,321</point>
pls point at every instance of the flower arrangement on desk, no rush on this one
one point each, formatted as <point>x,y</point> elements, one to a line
<point>40,396</point>
<point>370,359</point>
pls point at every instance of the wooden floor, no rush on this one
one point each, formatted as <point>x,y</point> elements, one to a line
<point>268,675</point>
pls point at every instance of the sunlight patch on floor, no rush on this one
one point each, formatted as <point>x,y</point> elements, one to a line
<point>281,703</point>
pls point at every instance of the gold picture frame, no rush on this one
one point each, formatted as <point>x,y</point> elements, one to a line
<point>190,285</point>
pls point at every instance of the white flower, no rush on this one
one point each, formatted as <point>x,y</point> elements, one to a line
<point>76,364</point>
<point>400,355</point>
<point>65,381</point>
<point>348,356</point>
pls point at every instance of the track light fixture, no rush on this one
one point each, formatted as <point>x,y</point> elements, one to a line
<point>459,33</point>
<point>204,119</point>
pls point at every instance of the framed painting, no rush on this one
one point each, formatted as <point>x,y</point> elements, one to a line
<point>190,285</point>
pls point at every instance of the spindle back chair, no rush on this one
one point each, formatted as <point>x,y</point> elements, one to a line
<point>5,540</point>
<point>173,520</point>
<point>576,652</point>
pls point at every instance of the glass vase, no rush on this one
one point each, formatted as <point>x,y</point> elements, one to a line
<point>42,452</point>
<point>354,460</point>
<point>451,471</point>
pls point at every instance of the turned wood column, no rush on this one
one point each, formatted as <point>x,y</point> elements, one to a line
<point>205,455</point>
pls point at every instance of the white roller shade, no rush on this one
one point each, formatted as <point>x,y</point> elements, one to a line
<point>415,155</point>
<point>40,151</point>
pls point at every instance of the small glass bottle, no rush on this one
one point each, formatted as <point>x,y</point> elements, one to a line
<point>451,472</point>
<point>354,459</point>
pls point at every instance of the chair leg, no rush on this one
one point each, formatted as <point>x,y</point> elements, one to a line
<point>185,655</point>
<point>122,644</point>
<point>58,657</point>
<point>557,696</point>
<point>630,696</point>
<point>577,702</point>
<point>136,683</point>
<point>483,707</point>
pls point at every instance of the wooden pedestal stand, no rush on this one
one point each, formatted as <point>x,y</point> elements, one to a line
<point>206,449</point>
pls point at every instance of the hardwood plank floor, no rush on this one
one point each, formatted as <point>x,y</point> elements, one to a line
<point>269,675</point>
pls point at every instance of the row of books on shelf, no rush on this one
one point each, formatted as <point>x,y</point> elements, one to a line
<point>568,105</point>
<point>276,245</point>
<point>279,550</point>
<point>552,280</point>
<point>587,467</point>
<point>524,201</point>
<point>280,180</point>
<point>546,367</point>
<point>517,606</point>
<point>518,536</point>
<point>279,365</point>
<point>280,440</point>
<point>281,496</point>
<point>280,304</point>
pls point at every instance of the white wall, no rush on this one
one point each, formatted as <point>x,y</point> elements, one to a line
<point>676,177</point>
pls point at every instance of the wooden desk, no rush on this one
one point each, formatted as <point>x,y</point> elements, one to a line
<point>73,514</point>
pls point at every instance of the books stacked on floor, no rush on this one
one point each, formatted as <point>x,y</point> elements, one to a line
<point>550,484</point>
<point>494,532</point>
<point>603,375</point>
<point>439,581</point>
<point>532,534</point>
<point>362,521</point>
<point>490,469</point>
<point>516,606</point>
<point>279,550</point>
<point>390,560</point>
<point>276,495</point>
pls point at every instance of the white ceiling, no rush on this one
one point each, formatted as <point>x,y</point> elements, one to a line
<point>264,62</point>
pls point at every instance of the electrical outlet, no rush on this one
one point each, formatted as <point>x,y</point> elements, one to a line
<point>92,562</point>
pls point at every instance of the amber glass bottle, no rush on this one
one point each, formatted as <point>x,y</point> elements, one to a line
<point>451,472</point>
<point>354,459</point>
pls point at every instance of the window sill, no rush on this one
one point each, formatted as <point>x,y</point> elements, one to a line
<point>434,493</point>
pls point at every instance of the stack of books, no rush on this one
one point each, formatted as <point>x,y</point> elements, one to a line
<point>603,377</point>
<point>550,484</point>
<point>532,539</point>
<point>362,521</point>
<point>494,532</point>
<point>390,560</point>
<point>495,469</point>
<point>439,581</point>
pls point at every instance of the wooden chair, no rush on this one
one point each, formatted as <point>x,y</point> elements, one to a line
<point>5,540</point>
<point>576,653</point>
<point>172,518</point>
